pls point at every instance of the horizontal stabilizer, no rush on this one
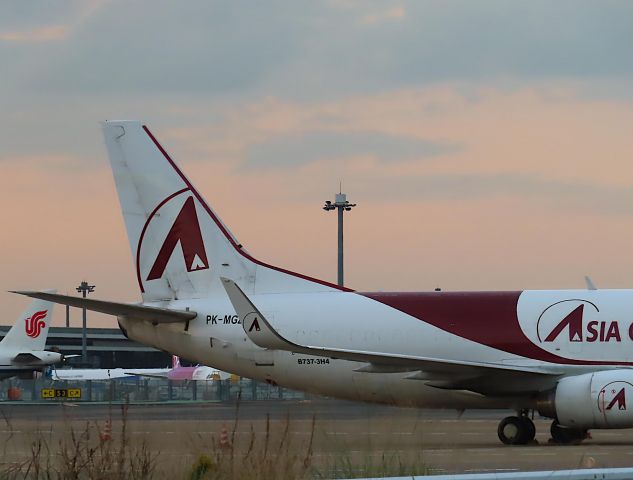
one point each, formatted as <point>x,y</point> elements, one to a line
<point>263,334</point>
<point>25,359</point>
<point>131,311</point>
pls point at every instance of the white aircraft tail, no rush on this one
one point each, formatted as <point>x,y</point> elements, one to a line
<point>179,245</point>
<point>31,328</point>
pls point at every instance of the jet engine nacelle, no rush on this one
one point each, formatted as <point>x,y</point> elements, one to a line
<point>37,358</point>
<point>592,400</point>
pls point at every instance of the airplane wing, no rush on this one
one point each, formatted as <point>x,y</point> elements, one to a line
<point>133,311</point>
<point>438,372</point>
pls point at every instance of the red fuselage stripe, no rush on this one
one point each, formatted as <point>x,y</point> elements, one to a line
<point>487,318</point>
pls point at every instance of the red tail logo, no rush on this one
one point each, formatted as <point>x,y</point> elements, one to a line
<point>186,230</point>
<point>35,323</point>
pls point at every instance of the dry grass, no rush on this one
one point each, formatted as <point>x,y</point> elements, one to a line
<point>274,450</point>
<point>278,454</point>
<point>83,454</point>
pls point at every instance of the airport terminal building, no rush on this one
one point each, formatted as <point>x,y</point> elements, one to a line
<point>109,348</point>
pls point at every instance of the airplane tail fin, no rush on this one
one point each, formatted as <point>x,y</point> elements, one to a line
<point>180,246</point>
<point>31,328</point>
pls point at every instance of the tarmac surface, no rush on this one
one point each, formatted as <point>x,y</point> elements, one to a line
<point>444,440</point>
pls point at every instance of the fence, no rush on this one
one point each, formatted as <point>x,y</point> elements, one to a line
<point>142,390</point>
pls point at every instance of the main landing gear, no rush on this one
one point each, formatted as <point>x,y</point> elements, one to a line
<point>567,436</point>
<point>519,430</point>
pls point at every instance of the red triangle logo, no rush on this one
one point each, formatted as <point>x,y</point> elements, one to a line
<point>619,399</point>
<point>574,322</point>
<point>186,230</point>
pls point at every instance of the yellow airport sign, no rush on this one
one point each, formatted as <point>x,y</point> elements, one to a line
<point>61,393</point>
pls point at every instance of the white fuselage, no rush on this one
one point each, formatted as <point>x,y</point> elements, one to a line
<point>351,320</point>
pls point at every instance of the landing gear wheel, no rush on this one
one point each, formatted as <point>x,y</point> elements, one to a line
<point>566,436</point>
<point>515,430</point>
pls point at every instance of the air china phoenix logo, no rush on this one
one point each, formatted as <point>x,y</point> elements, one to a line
<point>35,323</point>
<point>186,231</point>
<point>577,321</point>
<point>612,397</point>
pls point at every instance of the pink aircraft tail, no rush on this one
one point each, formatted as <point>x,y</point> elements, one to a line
<point>175,361</point>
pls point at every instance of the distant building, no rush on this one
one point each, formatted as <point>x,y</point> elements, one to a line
<point>107,348</point>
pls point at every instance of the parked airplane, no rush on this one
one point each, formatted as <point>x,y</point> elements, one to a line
<point>197,372</point>
<point>176,372</point>
<point>566,354</point>
<point>82,374</point>
<point>22,348</point>
<point>70,374</point>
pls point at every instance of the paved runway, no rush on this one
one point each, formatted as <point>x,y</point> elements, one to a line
<point>443,440</point>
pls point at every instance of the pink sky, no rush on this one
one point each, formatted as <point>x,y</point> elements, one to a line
<point>487,144</point>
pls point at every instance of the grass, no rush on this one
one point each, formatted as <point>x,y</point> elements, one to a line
<point>83,454</point>
<point>275,449</point>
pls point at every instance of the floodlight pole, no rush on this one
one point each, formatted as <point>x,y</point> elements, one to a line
<point>341,204</point>
<point>84,289</point>
<point>339,275</point>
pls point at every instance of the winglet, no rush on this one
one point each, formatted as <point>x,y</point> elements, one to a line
<point>262,334</point>
<point>590,284</point>
<point>256,327</point>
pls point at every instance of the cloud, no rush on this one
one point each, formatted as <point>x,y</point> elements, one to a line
<point>302,149</point>
<point>42,34</point>
<point>393,13</point>
<point>320,50</point>
<point>48,23</point>
<point>541,192</point>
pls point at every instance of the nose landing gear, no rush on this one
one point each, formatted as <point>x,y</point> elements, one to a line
<point>519,430</point>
